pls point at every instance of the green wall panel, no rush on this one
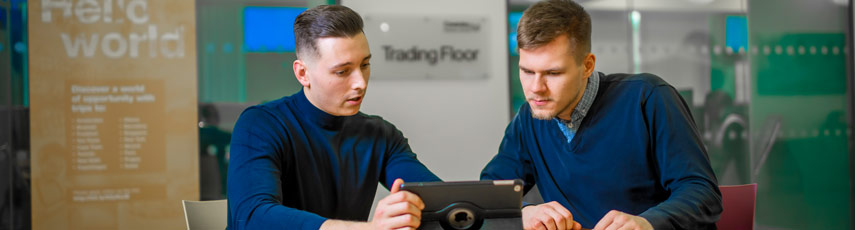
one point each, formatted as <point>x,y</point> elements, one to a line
<point>797,59</point>
<point>799,77</point>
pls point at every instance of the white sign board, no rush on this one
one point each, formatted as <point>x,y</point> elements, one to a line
<point>428,47</point>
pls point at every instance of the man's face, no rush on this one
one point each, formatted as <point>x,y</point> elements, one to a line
<point>552,80</point>
<point>335,81</point>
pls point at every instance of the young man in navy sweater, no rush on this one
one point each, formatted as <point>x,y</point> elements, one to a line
<point>606,151</point>
<point>312,160</point>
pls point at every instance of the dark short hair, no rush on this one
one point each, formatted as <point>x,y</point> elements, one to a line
<point>322,22</point>
<point>544,21</point>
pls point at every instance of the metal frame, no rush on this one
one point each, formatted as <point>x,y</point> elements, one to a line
<point>6,137</point>
<point>850,84</point>
<point>509,7</point>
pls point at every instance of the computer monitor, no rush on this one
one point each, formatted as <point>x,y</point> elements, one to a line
<point>469,204</point>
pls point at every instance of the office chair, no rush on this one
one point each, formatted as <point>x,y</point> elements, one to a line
<point>203,215</point>
<point>738,206</point>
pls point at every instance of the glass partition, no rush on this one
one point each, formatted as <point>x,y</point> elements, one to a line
<point>14,118</point>
<point>245,52</point>
<point>799,108</point>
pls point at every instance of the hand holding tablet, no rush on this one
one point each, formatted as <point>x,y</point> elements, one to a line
<point>469,204</point>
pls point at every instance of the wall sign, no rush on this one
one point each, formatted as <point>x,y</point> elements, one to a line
<point>113,113</point>
<point>428,46</point>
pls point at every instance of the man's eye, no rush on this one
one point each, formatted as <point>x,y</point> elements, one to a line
<point>366,65</point>
<point>553,73</point>
<point>340,73</point>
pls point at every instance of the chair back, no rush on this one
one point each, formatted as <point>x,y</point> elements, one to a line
<point>738,202</point>
<point>203,215</point>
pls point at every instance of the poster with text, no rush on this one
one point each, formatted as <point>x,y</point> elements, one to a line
<point>114,133</point>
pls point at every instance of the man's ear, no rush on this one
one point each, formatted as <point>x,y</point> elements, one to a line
<point>590,62</point>
<point>301,72</point>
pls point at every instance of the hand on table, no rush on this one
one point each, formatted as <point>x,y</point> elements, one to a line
<point>617,220</point>
<point>549,216</point>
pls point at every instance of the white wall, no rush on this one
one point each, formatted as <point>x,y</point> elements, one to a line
<point>454,126</point>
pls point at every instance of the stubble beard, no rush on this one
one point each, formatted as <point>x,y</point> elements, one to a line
<point>542,115</point>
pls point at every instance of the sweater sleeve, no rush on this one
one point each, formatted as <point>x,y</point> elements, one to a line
<point>402,163</point>
<point>254,186</point>
<point>694,200</point>
<point>511,162</point>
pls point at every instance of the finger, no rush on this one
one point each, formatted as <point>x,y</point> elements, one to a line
<point>529,224</point>
<point>391,198</point>
<point>560,222</point>
<point>606,220</point>
<point>395,198</point>
<point>620,219</point>
<point>533,223</point>
<point>547,221</point>
<point>413,199</point>
<point>564,212</point>
<point>403,221</point>
<point>577,226</point>
<point>402,208</point>
<point>396,186</point>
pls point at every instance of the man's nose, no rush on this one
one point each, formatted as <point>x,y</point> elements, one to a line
<point>358,80</point>
<point>538,85</point>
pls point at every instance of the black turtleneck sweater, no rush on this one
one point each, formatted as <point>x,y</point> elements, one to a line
<point>293,165</point>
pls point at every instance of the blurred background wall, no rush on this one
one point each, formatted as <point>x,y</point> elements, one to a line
<point>768,82</point>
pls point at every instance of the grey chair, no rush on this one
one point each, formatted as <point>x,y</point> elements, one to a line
<point>203,215</point>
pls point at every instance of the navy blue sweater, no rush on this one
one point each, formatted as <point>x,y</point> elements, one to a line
<point>293,166</point>
<point>637,151</point>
